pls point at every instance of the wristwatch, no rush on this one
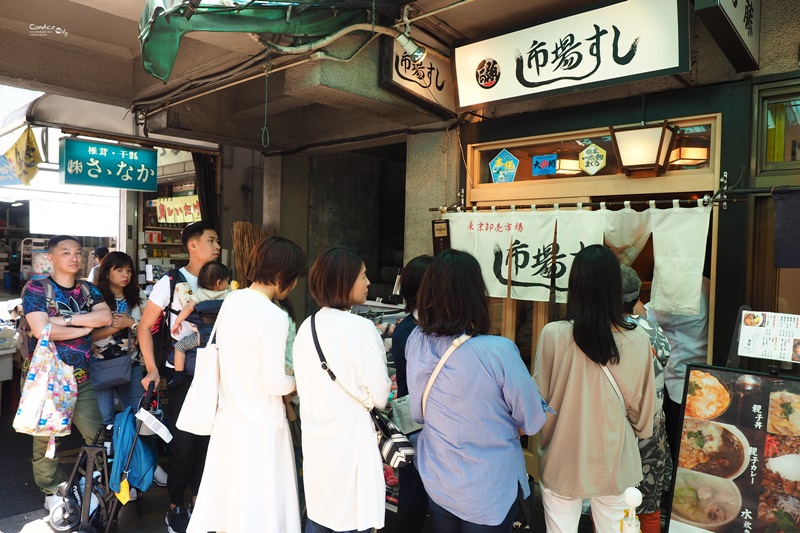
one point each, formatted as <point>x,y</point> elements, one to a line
<point>68,320</point>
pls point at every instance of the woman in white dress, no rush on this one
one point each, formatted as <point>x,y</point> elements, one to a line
<point>249,481</point>
<point>342,469</point>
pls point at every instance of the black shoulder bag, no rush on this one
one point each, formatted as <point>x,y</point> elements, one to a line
<point>394,447</point>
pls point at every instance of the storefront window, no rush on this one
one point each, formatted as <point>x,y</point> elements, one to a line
<point>561,157</point>
<point>776,147</point>
<point>783,132</point>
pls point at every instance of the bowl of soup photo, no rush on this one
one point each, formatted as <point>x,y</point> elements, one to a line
<point>705,501</point>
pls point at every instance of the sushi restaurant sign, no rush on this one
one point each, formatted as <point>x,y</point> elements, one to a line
<point>83,162</point>
<point>617,43</point>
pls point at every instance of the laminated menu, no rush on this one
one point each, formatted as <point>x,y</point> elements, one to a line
<point>739,459</point>
<point>770,336</point>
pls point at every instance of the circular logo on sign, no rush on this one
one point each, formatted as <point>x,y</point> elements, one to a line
<point>488,73</point>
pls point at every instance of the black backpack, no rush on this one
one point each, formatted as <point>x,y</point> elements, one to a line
<point>162,332</point>
<point>24,328</point>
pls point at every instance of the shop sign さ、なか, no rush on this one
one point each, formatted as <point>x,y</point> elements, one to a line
<point>101,164</point>
<point>504,167</point>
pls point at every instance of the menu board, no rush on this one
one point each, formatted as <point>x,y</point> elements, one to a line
<point>739,460</point>
<point>770,336</point>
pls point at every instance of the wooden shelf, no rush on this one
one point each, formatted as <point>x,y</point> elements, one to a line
<point>163,244</point>
<point>162,228</point>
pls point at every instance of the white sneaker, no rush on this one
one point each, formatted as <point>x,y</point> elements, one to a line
<point>160,476</point>
<point>51,500</point>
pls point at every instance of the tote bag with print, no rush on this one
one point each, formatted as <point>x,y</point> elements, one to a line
<point>48,395</point>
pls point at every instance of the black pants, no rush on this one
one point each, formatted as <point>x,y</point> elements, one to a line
<point>187,452</point>
<point>672,423</point>
<point>412,505</point>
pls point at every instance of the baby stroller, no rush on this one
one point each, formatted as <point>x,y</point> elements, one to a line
<point>89,501</point>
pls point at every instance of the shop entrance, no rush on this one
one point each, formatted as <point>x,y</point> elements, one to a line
<point>357,199</point>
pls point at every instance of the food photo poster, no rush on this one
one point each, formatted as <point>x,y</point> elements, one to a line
<point>739,459</point>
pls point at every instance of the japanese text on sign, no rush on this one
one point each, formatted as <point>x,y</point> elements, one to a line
<point>107,165</point>
<point>609,44</point>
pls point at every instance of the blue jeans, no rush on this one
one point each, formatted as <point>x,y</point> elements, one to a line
<point>446,522</point>
<point>130,394</point>
<point>313,527</point>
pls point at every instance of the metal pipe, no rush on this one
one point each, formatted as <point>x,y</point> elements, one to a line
<point>687,202</point>
<point>434,12</point>
<point>310,47</point>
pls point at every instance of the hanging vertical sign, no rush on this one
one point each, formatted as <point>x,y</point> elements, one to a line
<point>624,41</point>
<point>429,83</point>
<point>736,26</point>
<point>100,164</point>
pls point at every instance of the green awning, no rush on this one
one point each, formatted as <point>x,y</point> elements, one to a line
<point>163,24</point>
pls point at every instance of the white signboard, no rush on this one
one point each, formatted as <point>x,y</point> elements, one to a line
<point>429,82</point>
<point>773,336</point>
<point>745,17</point>
<point>736,26</point>
<point>625,41</point>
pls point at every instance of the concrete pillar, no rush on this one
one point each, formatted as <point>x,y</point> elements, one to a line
<point>432,168</point>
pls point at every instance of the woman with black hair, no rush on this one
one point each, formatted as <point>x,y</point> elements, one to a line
<point>589,449</point>
<point>469,454</point>
<point>412,504</point>
<point>116,279</point>
<point>260,494</point>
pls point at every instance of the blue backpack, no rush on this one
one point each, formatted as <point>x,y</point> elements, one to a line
<point>145,456</point>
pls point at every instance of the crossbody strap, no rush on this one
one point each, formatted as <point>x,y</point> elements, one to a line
<point>456,343</point>
<point>613,382</point>
<point>324,364</point>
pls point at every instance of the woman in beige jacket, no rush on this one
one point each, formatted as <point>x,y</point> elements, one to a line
<point>589,449</point>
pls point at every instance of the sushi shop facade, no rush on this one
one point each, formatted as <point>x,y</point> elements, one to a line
<point>677,182</point>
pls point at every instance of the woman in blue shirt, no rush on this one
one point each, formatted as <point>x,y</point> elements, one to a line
<point>468,454</point>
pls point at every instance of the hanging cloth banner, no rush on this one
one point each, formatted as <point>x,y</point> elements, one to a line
<point>787,220</point>
<point>679,250</point>
<point>626,231</point>
<point>532,256</point>
<point>20,162</point>
<point>518,246</point>
<point>575,230</point>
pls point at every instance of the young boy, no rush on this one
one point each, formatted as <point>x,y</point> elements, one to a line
<point>214,284</point>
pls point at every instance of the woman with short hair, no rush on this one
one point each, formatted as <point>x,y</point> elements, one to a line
<point>342,468</point>
<point>258,493</point>
<point>589,449</point>
<point>469,454</point>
